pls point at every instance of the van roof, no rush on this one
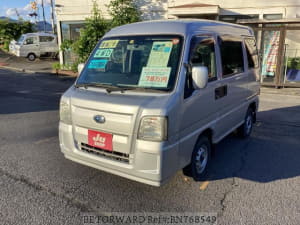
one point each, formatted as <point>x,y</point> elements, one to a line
<point>180,27</point>
<point>39,34</point>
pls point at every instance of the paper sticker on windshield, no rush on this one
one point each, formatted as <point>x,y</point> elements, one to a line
<point>103,53</point>
<point>160,54</point>
<point>98,64</point>
<point>109,44</point>
<point>155,76</point>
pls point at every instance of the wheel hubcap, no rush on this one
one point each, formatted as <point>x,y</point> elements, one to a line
<point>248,124</point>
<point>201,159</point>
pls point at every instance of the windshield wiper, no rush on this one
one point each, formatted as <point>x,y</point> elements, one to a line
<point>108,87</point>
<point>137,88</point>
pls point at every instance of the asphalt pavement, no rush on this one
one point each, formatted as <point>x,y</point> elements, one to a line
<point>252,181</point>
<point>43,65</point>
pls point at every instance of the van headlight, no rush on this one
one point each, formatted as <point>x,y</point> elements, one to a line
<point>153,128</point>
<point>64,111</point>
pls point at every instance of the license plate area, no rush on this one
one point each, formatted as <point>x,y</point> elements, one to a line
<point>101,140</point>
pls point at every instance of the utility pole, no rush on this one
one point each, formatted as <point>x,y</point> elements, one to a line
<point>52,17</point>
<point>19,17</point>
<point>44,15</point>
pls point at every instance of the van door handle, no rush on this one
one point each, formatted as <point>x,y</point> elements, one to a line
<point>221,92</point>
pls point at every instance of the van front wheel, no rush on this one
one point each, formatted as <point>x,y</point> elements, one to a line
<point>200,159</point>
<point>31,57</point>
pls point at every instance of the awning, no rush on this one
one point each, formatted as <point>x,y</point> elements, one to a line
<point>194,9</point>
<point>264,21</point>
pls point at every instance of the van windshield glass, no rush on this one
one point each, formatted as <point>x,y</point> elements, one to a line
<point>21,39</point>
<point>140,62</point>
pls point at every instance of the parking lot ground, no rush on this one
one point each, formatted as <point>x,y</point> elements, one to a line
<point>43,65</point>
<point>252,181</point>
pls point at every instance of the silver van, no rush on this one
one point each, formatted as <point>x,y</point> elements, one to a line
<point>35,45</point>
<point>154,97</point>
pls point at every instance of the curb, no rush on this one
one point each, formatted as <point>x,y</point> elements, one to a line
<point>18,69</point>
<point>34,72</point>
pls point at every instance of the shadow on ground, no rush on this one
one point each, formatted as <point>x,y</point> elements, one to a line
<point>21,92</point>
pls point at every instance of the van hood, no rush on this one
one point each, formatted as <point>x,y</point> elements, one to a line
<point>119,102</point>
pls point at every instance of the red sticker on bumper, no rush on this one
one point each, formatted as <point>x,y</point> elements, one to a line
<point>100,140</point>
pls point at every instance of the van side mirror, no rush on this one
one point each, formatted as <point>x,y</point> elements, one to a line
<point>200,76</point>
<point>80,68</point>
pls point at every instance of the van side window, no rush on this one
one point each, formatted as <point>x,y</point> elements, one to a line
<point>252,54</point>
<point>46,38</point>
<point>202,53</point>
<point>31,40</point>
<point>232,57</point>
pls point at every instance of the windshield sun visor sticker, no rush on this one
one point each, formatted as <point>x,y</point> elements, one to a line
<point>109,44</point>
<point>160,54</point>
<point>155,77</point>
<point>175,41</point>
<point>97,64</point>
<point>103,53</point>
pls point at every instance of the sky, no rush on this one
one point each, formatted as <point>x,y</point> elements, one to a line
<point>7,8</point>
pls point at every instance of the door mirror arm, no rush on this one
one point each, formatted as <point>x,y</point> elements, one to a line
<point>188,67</point>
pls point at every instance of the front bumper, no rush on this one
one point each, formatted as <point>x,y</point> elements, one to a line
<point>151,163</point>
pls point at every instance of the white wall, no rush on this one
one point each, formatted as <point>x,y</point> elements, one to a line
<point>73,10</point>
<point>229,7</point>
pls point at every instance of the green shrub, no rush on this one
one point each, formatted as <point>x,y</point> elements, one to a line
<point>56,66</point>
<point>6,45</point>
<point>121,11</point>
<point>13,30</point>
<point>294,63</point>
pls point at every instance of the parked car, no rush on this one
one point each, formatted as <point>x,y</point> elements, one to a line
<point>154,97</point>
<point>35,45</point>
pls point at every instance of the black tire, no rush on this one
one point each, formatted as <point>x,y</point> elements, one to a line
<point>31,57</point>
<point>245,129</point>
<point>195,169</point>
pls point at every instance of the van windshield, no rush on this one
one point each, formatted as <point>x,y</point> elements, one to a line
<point>21,39</point>
<point>145,63</point>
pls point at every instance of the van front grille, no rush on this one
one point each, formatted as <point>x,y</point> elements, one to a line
<point>113,155</point>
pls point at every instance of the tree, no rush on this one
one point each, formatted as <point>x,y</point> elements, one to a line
<point>11,30</point>
<point>95,27</point>
<point>123,12</point>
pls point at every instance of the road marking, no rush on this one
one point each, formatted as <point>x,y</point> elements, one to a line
<point>44,140</point>
<point>204,185</point>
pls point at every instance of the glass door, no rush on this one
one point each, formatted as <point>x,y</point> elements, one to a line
<point>291,72</point>
<point>270,56</point>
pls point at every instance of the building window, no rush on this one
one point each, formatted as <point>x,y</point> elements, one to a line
<point>235,18</point>
<point>70,31</point>
<point>272,16</point>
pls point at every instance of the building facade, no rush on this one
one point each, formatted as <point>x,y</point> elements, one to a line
<point>269,17</point>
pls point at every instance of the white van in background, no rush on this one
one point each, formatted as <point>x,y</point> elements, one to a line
<point>35,45</point>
